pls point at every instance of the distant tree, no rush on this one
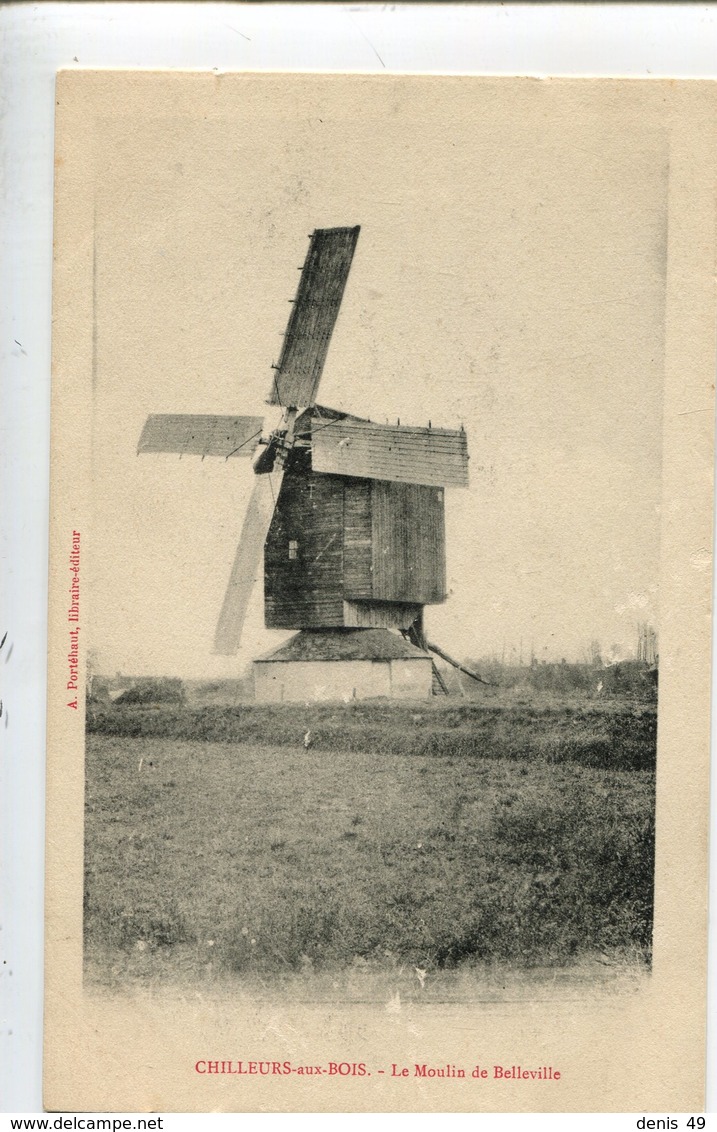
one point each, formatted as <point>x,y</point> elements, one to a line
<point>91,669</point>
<point>646,643</point>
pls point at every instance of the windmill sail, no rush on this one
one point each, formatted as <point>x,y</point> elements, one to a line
<point>379,553</point>
<point>435,457</point>
<point>313,316</point>
<point>246,562</point>
<point>200,435</point>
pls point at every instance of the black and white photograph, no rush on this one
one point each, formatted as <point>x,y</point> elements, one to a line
<point>364,597</point>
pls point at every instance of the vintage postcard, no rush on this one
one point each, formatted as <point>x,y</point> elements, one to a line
<point>381,498</point>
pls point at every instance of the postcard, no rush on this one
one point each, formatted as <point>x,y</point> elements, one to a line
<point>379,629</point>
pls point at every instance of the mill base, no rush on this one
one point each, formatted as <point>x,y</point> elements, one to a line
<point>343,665</point>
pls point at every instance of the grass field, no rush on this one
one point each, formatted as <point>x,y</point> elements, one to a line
<point>411,840</point>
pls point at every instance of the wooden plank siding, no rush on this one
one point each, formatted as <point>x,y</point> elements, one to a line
<point>433,456</point>
<point>358,545</point>
<point>380,614</point>
<point>307,591</point>
<point>408,536</point>
<point>369,553</point>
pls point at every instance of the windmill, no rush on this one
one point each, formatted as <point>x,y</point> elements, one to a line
<point>348,513</point>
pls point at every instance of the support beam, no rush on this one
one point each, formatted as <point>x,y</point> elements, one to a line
<point>456,664</point>
<point>439,679</point>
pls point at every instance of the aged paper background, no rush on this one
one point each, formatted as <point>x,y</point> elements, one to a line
<point>246,162</point>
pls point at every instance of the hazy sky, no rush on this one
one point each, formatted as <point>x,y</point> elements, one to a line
<point>509,276</point>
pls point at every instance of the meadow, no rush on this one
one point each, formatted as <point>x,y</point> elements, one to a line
<point>331,846</point>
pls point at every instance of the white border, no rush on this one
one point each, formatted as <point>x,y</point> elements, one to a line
<point>35,40</point>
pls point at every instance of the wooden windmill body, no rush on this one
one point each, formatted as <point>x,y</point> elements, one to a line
<point>348,513</point>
